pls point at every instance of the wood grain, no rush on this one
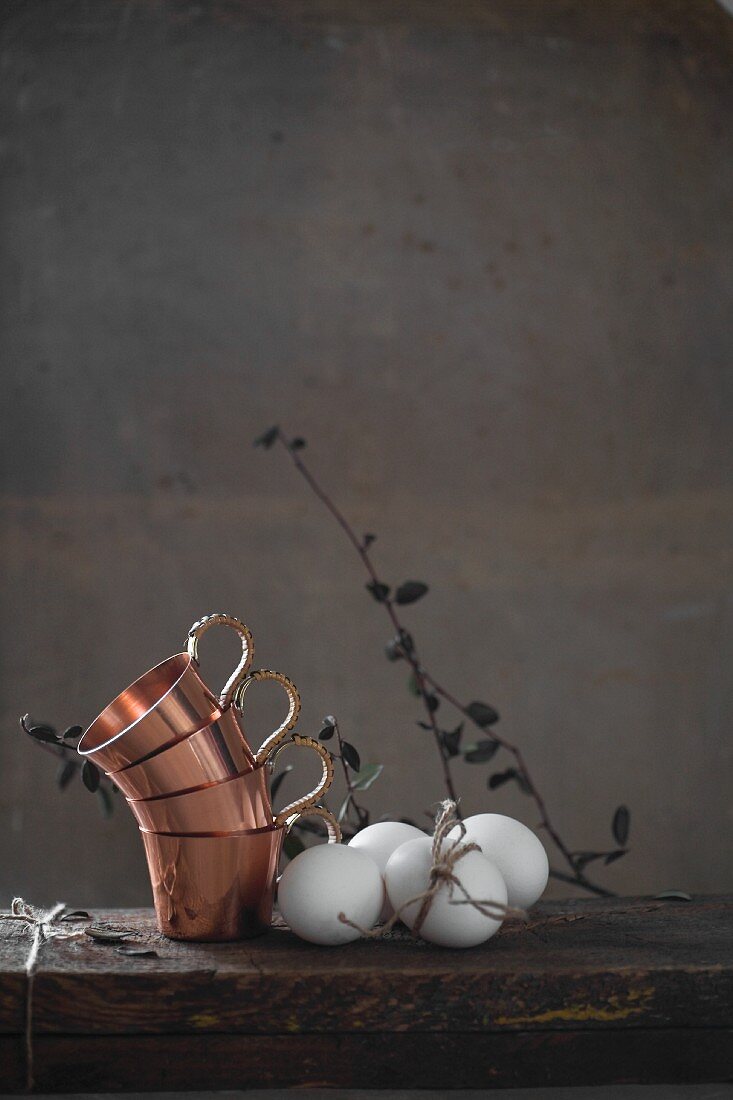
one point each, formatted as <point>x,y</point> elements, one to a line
<point>587,991</point>
<point>377,1060</point>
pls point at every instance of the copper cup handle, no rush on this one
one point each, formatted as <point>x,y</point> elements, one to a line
<point>332,825</point>
<point>308,800</point>
<point>219,619</point>
<point>291,717</point>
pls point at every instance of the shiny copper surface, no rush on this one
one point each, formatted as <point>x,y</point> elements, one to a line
<point>219,887</point>
<point>217,752</point>
<point>166,704</point>
<point>234,804</point>
<point>237,802</point>
<point>214,888</point>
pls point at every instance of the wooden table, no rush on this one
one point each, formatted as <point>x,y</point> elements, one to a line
<point>590,992</point>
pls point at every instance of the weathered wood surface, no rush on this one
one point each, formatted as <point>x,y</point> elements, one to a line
<point>445,1060</point>
<point>589,991</point>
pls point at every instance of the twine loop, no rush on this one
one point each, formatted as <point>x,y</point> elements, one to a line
<point>446,854</point>
<point>42,926</point>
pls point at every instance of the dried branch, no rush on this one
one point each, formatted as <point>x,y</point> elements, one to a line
<point>430,691</point>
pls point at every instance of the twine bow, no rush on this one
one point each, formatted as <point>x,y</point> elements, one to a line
<point>41,924</point>
<point>445,855</point>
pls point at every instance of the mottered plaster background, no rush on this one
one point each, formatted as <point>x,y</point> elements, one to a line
<point>479,255</point>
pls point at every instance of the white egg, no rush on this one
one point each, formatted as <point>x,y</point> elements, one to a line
<point>324,881</point>
<point>515,850</point>
<point>379,841</point>
<point>407,875</point>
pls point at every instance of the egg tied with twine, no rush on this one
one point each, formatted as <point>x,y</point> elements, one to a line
<point>446,854</point>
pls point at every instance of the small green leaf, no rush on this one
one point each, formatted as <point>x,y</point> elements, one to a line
<point>363,779</point>
<point>424,725</point>
<point>66,773</point>
<point>267,438</point>
<point>620,826</point>
<point>432,702</point>
<point>499,778</point>
<point>297,444</point>
<point>343,809</point>
<point>582,859</point>
<point>43,733</point>
<point>410,591</point>
<point>480,752</point>
<point>368,540</point>
<point>450,740</point>
<point>351,756</point>
<point>482,714</point>
<point>277,781</point>
<point>673,895</point>
<point>328,728</point>
<point>90,775</point>
<point>105,932</point>
<point>613,856</point>
<point>293,845</point>
<point>379,591</point>
<point>72,733</point>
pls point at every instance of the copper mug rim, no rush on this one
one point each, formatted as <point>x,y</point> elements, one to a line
<point>210,755</point>
<point>333,828</point>
<point>177,658</point>
<point>196,761</point>
<point>232,804</point>
<point>165,704</point>
<point>232,834</point>
<point>199,787</point>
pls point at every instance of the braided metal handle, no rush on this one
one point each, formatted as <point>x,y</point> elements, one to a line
<point>332,825</point>
<point>248,649</point>
<point>291,717</point>
<point>308,800</point>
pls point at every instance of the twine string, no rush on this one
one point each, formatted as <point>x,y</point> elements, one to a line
<point>42,926</point>
<point>445,854</point>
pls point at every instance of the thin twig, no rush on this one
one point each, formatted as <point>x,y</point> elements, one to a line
<point>428,686</point>
<point>361,814</point>
<point>411,656</point>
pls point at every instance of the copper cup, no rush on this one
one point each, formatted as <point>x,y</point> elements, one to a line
<point>166,704</point>
<point>214,888</point>
<point>217,752</point>
<point>241,802</point>
<point>218,888</point>
<point>211,755</point>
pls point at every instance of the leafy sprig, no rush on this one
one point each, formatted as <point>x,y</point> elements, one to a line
<point>63,747</point>
<point>423,685</point>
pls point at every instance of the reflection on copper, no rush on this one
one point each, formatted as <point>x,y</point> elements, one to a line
<point>217,752</point>
<point>241,802</point>
<point>166,704</point>
<point>214,888</point>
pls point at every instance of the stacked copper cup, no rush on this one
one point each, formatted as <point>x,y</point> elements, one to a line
<point>200,794</point>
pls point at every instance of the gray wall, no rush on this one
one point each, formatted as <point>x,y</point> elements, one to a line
<point>480,256</point>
